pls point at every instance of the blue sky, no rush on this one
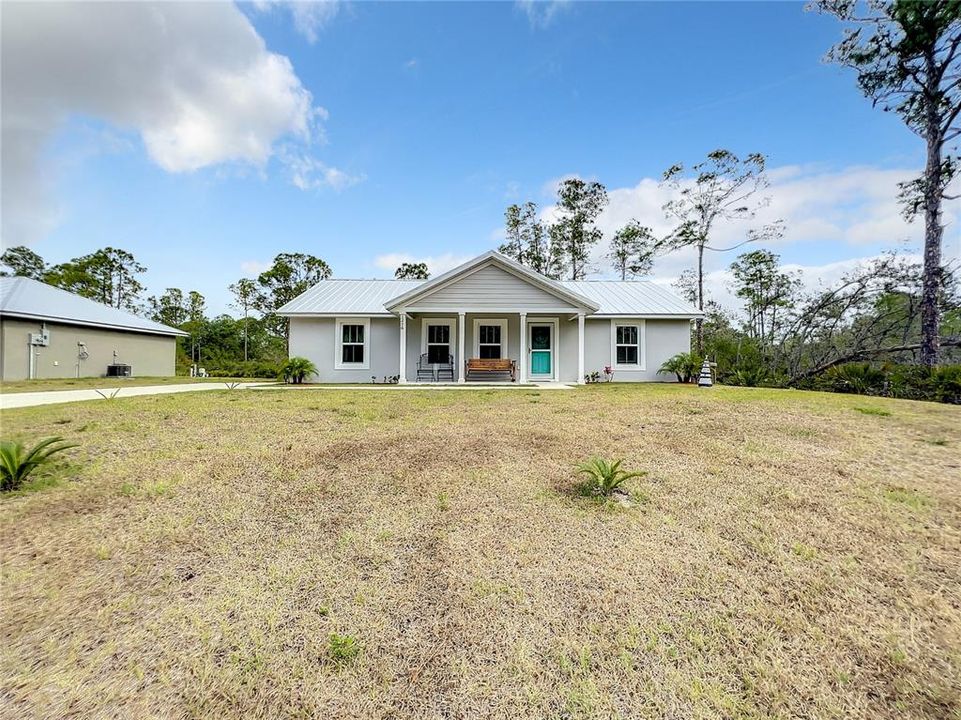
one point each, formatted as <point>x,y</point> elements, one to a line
<point>427,119</point>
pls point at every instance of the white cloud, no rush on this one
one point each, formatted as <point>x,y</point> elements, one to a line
<point>541,13</point>
<point>436,264</point>
<point>854,207</point>
<point>252,268</point>
<point>194,80</point>
<point>309,16</point>
<point>309,173</point>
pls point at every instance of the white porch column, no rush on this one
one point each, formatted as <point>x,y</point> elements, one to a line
<point>402,365</point>
<point>522,349</point>
<point>461,357</point>
<point>580,348</point>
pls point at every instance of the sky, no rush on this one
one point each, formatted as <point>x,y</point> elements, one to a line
<point>208,137</point>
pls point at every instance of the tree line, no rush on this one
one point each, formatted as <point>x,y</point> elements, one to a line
<point>253,343</point>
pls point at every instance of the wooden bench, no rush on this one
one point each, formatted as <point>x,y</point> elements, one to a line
<point>492,366</point>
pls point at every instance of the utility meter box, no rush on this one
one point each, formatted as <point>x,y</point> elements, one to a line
<point>41,338</point>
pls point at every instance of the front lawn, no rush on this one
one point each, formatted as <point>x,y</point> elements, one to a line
<point>19,386</point>
<point>241,554</point>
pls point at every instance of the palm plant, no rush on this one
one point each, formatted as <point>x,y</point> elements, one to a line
<point>685,365</point>
<point>749,376</point>
<point>296,369</point>
<point>606,476</point>
<point>859,378</point>
<point>17,463</point>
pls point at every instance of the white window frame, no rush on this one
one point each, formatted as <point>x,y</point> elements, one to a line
<point>641,343</point>
<point>502,323</point>
<point>339,364</point>
<point>449,322</point>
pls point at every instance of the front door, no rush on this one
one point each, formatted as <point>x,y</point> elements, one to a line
<point>541,341</point>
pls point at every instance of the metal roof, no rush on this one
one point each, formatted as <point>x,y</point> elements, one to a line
<point>348,297</point>
<point>631,297</point>
<point>369,297</point>
<point>27,298</point>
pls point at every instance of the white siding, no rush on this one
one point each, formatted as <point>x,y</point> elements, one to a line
<point>490,287</point>
<point>663,339</point>
<point>315,339</point>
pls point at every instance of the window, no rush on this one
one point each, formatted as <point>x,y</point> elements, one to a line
<point>353,344</point>
<point>489,341</point>
<point>627,345</point>
<point>438,344</point>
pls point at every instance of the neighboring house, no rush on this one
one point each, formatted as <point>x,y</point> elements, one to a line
<point>490,313</point>
<point>46,332</point>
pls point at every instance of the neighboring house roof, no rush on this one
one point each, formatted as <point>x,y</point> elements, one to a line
<point>23,297</point>
<point>377,297</point>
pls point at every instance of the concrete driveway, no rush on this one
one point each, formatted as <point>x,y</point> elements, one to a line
<point>8,401</point>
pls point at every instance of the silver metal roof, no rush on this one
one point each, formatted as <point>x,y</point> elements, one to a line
<point>348,297</point>
<point>369,297</point>
<point>27,298</point>
<point>631,297</point>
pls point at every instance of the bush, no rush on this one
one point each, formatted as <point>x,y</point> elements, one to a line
<point>604,476</point>
<point>249,369</point>
<point>297,369</point>
<point>859,378</point>
<point>17,463</point>
<point>686,366</point>
<point>909,382</point>
<point>748,376</point>
<point>947,384</point>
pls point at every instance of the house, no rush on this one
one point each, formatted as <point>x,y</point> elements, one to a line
<point>46,332</point>
<point>489,319</point>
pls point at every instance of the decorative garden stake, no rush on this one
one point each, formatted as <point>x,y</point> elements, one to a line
<point>705,379</point>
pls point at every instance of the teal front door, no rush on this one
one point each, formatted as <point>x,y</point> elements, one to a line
<point>542,350</point>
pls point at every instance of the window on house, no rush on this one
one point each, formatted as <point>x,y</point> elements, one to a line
<point>352,344</point>
<point>489,341</point>
<point>438,344</point>
<point>627,345</point>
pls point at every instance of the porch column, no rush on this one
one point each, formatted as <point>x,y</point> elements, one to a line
<point>580,348</point>
<point>522,349</point>
<point>461,358</point>
<point>402,365</point>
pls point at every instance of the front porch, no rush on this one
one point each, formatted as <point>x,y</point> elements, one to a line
<point>488,348</point>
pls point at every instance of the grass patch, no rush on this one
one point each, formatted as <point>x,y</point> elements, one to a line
<point>342,649</point>
<point>880,412</point>
<point>415,554</point>
<point>904,496</point>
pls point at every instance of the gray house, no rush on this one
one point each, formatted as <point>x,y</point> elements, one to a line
<point>489,319</point>
<point>46,332</point>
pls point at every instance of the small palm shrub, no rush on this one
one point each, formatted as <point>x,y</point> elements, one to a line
<point>685,366</point>
<point>859,378</point>
<point>17,463</point>
<point>605,476</point>
<point>748,376</point>
<point>297,369</point>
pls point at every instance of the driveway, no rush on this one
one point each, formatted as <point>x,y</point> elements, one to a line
<point>52,397</point>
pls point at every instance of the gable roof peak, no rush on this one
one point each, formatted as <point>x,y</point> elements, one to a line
<point>492,257</point>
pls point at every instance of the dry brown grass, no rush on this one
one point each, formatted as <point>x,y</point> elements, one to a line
<point>44,385</point>
<point>790,557</point>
